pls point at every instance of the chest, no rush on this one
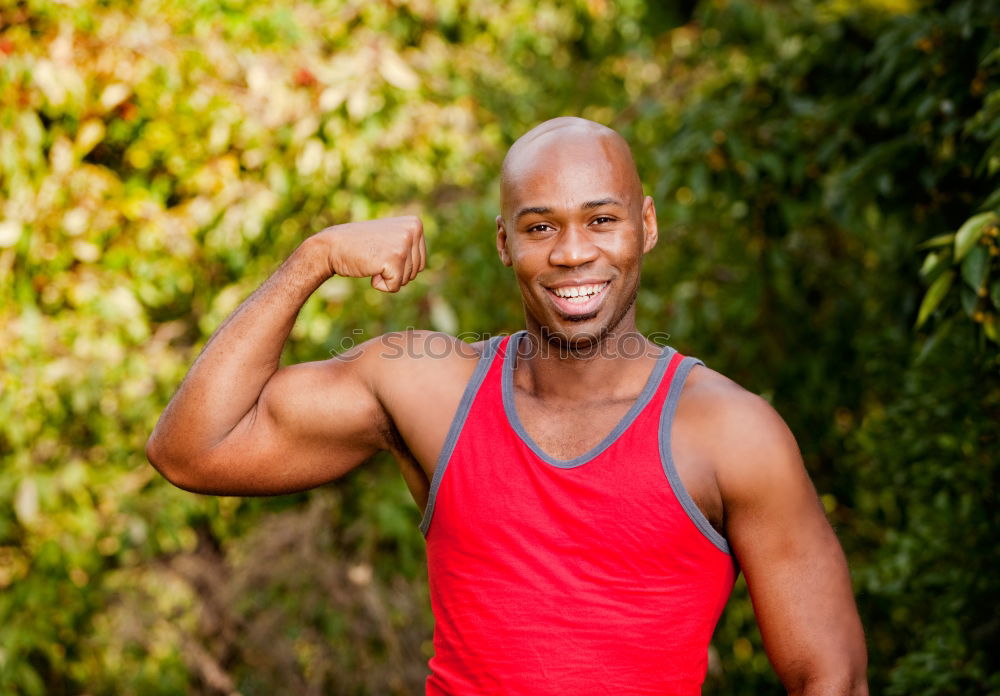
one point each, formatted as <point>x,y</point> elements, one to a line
<point>566,431</point>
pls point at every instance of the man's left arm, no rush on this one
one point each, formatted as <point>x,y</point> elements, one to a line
<point>788,552</point>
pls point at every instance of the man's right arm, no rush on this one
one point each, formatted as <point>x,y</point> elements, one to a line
<point>240,425</point>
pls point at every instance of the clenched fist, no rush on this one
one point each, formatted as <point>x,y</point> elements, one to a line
<point>391,250</point>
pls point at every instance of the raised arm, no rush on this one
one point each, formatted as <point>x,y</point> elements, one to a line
<point>239,425</point>
<point>789,554</point>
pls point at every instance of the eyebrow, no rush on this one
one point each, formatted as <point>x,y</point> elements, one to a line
<point>589,205</point>
<point>528,211</point>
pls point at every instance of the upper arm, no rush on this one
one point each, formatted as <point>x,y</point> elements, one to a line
<point>312,423</point>
<point>794,566</point>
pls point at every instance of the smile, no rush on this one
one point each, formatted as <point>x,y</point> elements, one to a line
<point>578,299</point>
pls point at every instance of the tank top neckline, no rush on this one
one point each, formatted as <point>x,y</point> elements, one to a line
<point>510,410</point>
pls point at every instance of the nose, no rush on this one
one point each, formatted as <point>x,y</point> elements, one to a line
<point>572,247</point>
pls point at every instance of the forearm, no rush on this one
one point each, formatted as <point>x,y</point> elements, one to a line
<point>226,380</point>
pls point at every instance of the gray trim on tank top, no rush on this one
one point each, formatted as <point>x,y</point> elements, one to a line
<point>468,396</point>
<point>507,389</point>
<point>667,459</point>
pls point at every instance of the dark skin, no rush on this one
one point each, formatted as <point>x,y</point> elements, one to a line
<point>573,221</point>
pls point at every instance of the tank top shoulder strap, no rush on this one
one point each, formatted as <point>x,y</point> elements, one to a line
<point>493,350</point>
<point>676,370</point>
<point>673,384</point>
<point>658,388</point>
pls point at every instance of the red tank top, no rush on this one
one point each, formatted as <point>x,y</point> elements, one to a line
<point>596,575</point>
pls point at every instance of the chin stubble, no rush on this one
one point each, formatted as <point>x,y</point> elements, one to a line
<point>561,341</point>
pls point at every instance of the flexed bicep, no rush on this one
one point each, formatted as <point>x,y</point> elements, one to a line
<point>312,423</point>
<point>238,423</point>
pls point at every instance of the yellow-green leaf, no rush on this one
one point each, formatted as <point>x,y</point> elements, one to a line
<point>934,262</point>
<point>990,328</point>
<point>937,241</point>
<point>970,232</point>
<point>935,293</point>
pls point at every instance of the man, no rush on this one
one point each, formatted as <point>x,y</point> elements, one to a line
<point>588,495</point>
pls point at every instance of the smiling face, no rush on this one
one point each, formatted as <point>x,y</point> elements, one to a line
<point>574,226</point>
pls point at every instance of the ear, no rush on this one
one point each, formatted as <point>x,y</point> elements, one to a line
<point>650,232</point>
<point>502,242</point>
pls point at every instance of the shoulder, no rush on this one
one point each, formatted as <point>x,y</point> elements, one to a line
<point>730,409</point>
<point>749,445</point>
<point>403,364</point>
<point>411,348</point>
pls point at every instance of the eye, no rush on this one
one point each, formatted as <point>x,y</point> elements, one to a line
<point>540,227</point>
<point>603,220</point>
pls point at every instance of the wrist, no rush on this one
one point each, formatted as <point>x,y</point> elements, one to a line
<point>314,258</point>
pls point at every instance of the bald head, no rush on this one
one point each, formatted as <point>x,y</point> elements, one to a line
<point>573,215</point>
<point>567,142</point>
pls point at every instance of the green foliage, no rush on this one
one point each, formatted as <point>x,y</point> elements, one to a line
<point>157,160</point>
<point>825,176</point>
<point>974,251</point>
<point>801,154</point>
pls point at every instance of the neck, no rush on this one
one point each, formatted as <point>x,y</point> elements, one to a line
<point>615,365</point>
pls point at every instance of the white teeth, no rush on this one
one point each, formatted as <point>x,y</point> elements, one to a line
<point>579,293</point>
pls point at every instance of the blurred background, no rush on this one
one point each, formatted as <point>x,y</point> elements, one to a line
<point>825,174</point>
